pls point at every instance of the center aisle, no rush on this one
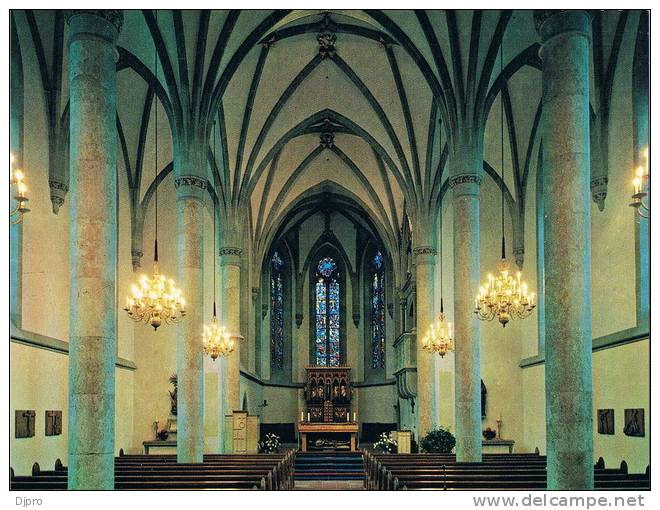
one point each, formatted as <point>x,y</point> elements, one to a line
<point>329,471</point>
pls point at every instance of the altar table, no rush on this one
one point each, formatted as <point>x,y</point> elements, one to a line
<point>305,428</point>
<point>167,444</point>
<point>501,443</point>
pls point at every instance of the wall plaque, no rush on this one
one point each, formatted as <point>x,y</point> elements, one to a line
<point>25,423</point>
<point>53,423</point>
<point>634,422</point>
<point>606,421</point>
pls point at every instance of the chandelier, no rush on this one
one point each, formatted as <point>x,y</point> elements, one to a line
<point>439,339</point>
<point>217,340</point>
<point>503,297</point>
<point>157,299</point>
<point>641,188</point>
<point>16,179</point>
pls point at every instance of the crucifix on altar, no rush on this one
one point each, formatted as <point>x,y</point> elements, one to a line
<point>327,422</point>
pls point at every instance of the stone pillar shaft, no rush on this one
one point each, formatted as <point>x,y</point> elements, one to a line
<point>190,358</point>
<point>230,317</point>
<point>640,108</point>
<point>93,240</point>
<point>424,290</point>
<point>16,119</point>
<point>568,386</point>
<point>467,387</point>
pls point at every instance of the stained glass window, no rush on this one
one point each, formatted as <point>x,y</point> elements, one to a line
<point>326,267</point>
<point>377,312</point>
<point>276,312</point>
<point>327,344</point>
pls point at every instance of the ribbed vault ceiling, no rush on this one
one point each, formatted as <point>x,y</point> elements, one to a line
<point>347,100</point>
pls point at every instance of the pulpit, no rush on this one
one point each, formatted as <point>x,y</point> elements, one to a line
<point>243,436</point>
<point>327,423</point>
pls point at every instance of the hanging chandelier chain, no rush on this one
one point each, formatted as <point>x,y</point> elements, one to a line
<point>442,242</point>
<point>502,140</point>
<point>155,300</point>
<point>217,341</point>
<point>156,143</point>
<point>214,230</point>
<point>504,296</point>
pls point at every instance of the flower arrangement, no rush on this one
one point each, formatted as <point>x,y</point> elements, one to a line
<point>438,441</point>
<point>489,433</point>
<point>385,444</point>
<point>270,444</point>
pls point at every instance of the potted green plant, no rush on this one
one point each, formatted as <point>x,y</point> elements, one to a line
<point>439,440</point>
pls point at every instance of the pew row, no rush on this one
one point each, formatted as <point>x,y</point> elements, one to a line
<point>162,472</point>
<point>496,472</point>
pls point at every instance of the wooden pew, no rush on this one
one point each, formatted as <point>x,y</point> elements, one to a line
<point>497,471</point>
<point>141,472</point>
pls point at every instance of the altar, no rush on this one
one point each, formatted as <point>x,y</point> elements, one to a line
<point>338,430</point>
<point>326,422</point>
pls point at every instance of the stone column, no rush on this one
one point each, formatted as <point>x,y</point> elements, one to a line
<point>467,337</point>
<point>230,317</point>
<point>93,239</point>
<point>565,128</point>
<point>640,112</point>
<point>190,358</point>
<point>16,111</point>
<point>424,292</point>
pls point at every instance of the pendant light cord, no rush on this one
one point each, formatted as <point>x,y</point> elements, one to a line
<point>502,140</point>
<point>214,233</point>
<point>156,140</point>
<point>442,243</point>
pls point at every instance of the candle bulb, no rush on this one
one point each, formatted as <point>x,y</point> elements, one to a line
<point>308,417</point>
<point>302,416</point>
<point>354,416</point>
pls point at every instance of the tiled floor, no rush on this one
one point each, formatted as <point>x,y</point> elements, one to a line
<point>329,485</point>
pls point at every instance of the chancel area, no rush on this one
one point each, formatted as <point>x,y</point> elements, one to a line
<point>360,249</point>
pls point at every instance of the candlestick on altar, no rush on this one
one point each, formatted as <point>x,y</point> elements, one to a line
<point>499,427</point>
<point>308,417</point>
<point>302,416</point>
<point>354,416</point>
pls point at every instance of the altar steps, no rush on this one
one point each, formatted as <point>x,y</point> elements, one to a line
<point>329,466</point>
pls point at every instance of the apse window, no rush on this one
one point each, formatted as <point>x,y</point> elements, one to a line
<point>327,331</point>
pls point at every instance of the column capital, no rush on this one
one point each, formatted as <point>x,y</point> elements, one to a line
<point>425,250</point>
<point>113,16</point>
<point>519,255</point>
<point>230,256</point>
<point>424,255</point>
<point>599,191</point>
<point>58,191</point>
<point>465,184</point>
<point>552,22</point>
<point>230,250</point>
<point>190,186</point>
<point>136,258</point>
